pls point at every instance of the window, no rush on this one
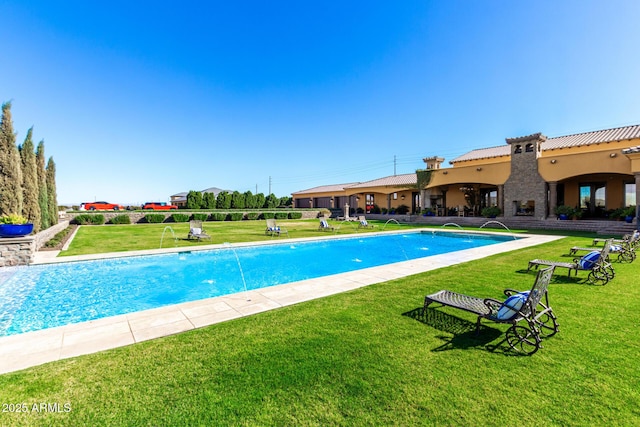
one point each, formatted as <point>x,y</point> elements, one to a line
<point>629,194</point>
<point>592,196</point>
<point>369,202</point>
<point>518,149</point>
<point>529,148</point>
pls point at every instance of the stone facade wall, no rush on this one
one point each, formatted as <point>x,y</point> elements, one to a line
<point>525,183</point>
<point>17,251</point>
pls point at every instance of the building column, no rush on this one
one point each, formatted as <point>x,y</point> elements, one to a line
<point>500,200</point>
<point>553,199</point>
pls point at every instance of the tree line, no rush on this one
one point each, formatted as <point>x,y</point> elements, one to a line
<point>27,185</point>
<point>234,200</point>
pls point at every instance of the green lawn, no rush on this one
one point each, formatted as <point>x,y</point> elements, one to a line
<point>116,238</point>
<point>368,358</point>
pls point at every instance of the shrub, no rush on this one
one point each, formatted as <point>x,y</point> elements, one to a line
<point>402,209</point>
<point>90,219</point>
<point>268,215</point>
<point>282,215</point>
<point>179,217</point>
<point>13,219</point>
<point>295,215</point>
<point>375,209</point>
<point>55,240</point>
<point>218,216</point>
<point>253,215</point>
<point>120,219</point>
<point>200,216</point>
<point>490,211</point>
<point>235,216</point>
<point>154,218</point>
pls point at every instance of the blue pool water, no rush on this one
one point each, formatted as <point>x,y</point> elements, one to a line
<point>45,296</point>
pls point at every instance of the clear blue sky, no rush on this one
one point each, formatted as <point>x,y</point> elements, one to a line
<point>138,100</point>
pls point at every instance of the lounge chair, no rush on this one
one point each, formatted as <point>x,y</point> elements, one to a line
<point>274,229</point>
<point>324,225</point>
<point>597,263</point>
<point>362,223</point>
<point>196,231</point>
<point>624,250</point>
<point>632,239</point>
<point>519,307</point>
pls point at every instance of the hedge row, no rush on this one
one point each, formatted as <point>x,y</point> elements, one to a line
<point>156,218</point>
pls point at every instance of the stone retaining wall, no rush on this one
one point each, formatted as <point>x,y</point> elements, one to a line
<point>17,251</point>
<point>21,250</point>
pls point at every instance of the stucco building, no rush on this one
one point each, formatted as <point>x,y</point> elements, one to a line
<point>594,172</point>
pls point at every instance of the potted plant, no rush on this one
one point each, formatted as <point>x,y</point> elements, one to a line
<point>629,213</point>
<point>14,226</point>
<point>490,211</point>
<point>564,212</point>
<point>428,212</point>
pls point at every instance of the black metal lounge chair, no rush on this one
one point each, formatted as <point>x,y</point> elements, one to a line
<point>597,263</point>
<point>528,312</point>
<point>274,229</point>
<point>624,250</point>
<point>196,231</point>
<point>632,239</point>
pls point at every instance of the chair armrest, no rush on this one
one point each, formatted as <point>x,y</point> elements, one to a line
<point>492,304</point>
<point>508,292</point>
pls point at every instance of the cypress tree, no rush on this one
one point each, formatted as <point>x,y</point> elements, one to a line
<point>10,171</point>
<point>209,201</point>
<point>42,187</point>
<point>30,206</point>
<point>52,197</point>
<point>194,199</point>
<point>223,201</point>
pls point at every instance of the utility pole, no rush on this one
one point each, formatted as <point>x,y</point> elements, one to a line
<point>394,165</point>
<point>269,185</point>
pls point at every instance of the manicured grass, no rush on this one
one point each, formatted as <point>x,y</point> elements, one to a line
<point>116,238</point>
<point>368,357</point>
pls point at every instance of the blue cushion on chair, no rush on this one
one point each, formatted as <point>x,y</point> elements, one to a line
<point>589,260</point>
<point>511,305</point>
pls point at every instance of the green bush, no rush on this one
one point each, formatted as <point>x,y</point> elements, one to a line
<point>120,219</point>
<point>282,215</point>
<point>180,217</point>
<point>402,209</point>
<point>154,218</point>
<point>490,211</point>
<point>200,216</point>
<point>218,216</point>
<point>90,219</point>
<point>268,215</point>
<point>253,215</point>
<point>295,215</point>
<point>235,216</point>
<point>55,240</point>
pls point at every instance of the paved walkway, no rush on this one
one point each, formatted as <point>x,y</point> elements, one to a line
<point>34,348</point>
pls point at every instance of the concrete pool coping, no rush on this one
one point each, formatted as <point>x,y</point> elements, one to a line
<point>34,348</point>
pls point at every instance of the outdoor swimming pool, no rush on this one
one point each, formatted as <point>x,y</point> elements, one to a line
<point>45,296</point>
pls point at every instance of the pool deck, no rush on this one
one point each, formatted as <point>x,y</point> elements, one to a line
<point>34,348</point>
